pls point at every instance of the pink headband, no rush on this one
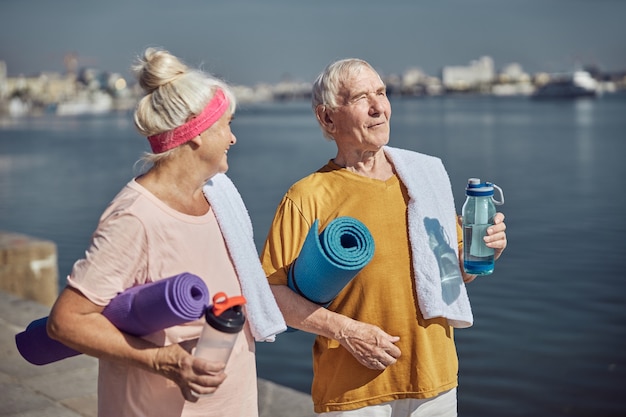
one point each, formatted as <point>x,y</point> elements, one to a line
<point>172,138</point>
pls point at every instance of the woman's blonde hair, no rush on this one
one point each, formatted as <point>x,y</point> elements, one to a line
<point>174,93</point>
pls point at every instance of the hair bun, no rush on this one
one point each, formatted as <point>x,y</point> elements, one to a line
<point>156,68</point>
<point>173,92</point>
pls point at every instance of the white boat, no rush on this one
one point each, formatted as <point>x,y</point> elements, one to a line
<point>567,86</point>
<point>16,107</point>
<point>95,102</point>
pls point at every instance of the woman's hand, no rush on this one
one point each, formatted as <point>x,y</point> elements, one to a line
<point>192,375</point>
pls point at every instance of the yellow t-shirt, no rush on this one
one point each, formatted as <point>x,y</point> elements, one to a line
<point>383,293</point>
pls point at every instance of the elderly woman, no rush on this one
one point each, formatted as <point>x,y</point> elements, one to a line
<point>182,215</point>
<point>385,344</point>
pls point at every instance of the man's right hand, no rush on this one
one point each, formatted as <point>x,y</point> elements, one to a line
<point>371,346</point>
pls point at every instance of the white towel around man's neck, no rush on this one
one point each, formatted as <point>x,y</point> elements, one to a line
<point>433,237</point>
<point>264,317</point>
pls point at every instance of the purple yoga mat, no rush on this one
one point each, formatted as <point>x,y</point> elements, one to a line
<point>139,311</point>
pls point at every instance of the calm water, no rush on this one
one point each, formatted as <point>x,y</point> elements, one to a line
<point>550,331</point>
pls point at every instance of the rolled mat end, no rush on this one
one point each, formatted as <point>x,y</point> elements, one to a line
<point>330,260</point>
<point>38,348</point>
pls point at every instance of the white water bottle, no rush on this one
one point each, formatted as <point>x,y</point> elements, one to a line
<point>224,321</point>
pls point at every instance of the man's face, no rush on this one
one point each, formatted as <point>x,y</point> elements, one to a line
<point>362,117</point>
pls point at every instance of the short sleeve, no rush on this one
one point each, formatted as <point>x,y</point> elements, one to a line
<point>115,261</point>
<point>284,240</point>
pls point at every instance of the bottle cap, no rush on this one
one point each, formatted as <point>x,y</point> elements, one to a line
<point>226,314</point>
<point>476,188</point>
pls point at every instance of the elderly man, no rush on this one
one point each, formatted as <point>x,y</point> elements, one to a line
<point>385,344</point>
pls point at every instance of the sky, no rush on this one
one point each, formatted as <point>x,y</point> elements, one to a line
<point>266,41</point>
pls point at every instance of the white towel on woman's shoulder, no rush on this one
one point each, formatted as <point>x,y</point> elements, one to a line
<point>433,236</point>
<point>265,319</point>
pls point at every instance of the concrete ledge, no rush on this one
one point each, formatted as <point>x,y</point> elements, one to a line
<point>28,267</point>
<point>68,388</point>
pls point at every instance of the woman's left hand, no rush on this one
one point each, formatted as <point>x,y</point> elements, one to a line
<point>194,376</point>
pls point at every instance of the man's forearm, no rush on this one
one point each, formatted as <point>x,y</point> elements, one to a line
<point>304,315</point>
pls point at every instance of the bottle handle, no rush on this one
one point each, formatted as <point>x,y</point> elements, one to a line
<point>501,201</point>
<point>221,302</point>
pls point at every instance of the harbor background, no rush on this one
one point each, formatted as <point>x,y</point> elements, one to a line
<point>550,330</point>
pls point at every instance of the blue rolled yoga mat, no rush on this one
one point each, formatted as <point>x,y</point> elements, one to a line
<point>139,311</point>
<point>329,260</point>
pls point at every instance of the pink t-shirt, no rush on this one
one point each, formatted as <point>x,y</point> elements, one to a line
<point>140,239</point>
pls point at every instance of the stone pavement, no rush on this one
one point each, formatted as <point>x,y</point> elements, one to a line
<point>68,388</point>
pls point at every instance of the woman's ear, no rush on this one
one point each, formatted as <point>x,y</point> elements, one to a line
<point>196,141</point>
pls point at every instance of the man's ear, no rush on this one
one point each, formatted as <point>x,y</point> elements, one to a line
<point>324,117</point>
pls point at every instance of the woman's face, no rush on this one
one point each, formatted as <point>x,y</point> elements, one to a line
<point>362,117</point>
<point>215,143</point>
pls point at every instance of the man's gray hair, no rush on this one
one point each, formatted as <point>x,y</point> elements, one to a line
<point>328,82</point>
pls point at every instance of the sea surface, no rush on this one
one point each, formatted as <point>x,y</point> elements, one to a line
<point>549,337</point>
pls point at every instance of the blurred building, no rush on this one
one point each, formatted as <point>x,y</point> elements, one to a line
<point>477,76</point>
<point>513,81</point>
<point>412,82</point>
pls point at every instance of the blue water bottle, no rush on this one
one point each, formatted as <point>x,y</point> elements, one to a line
<point>478,212</point>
